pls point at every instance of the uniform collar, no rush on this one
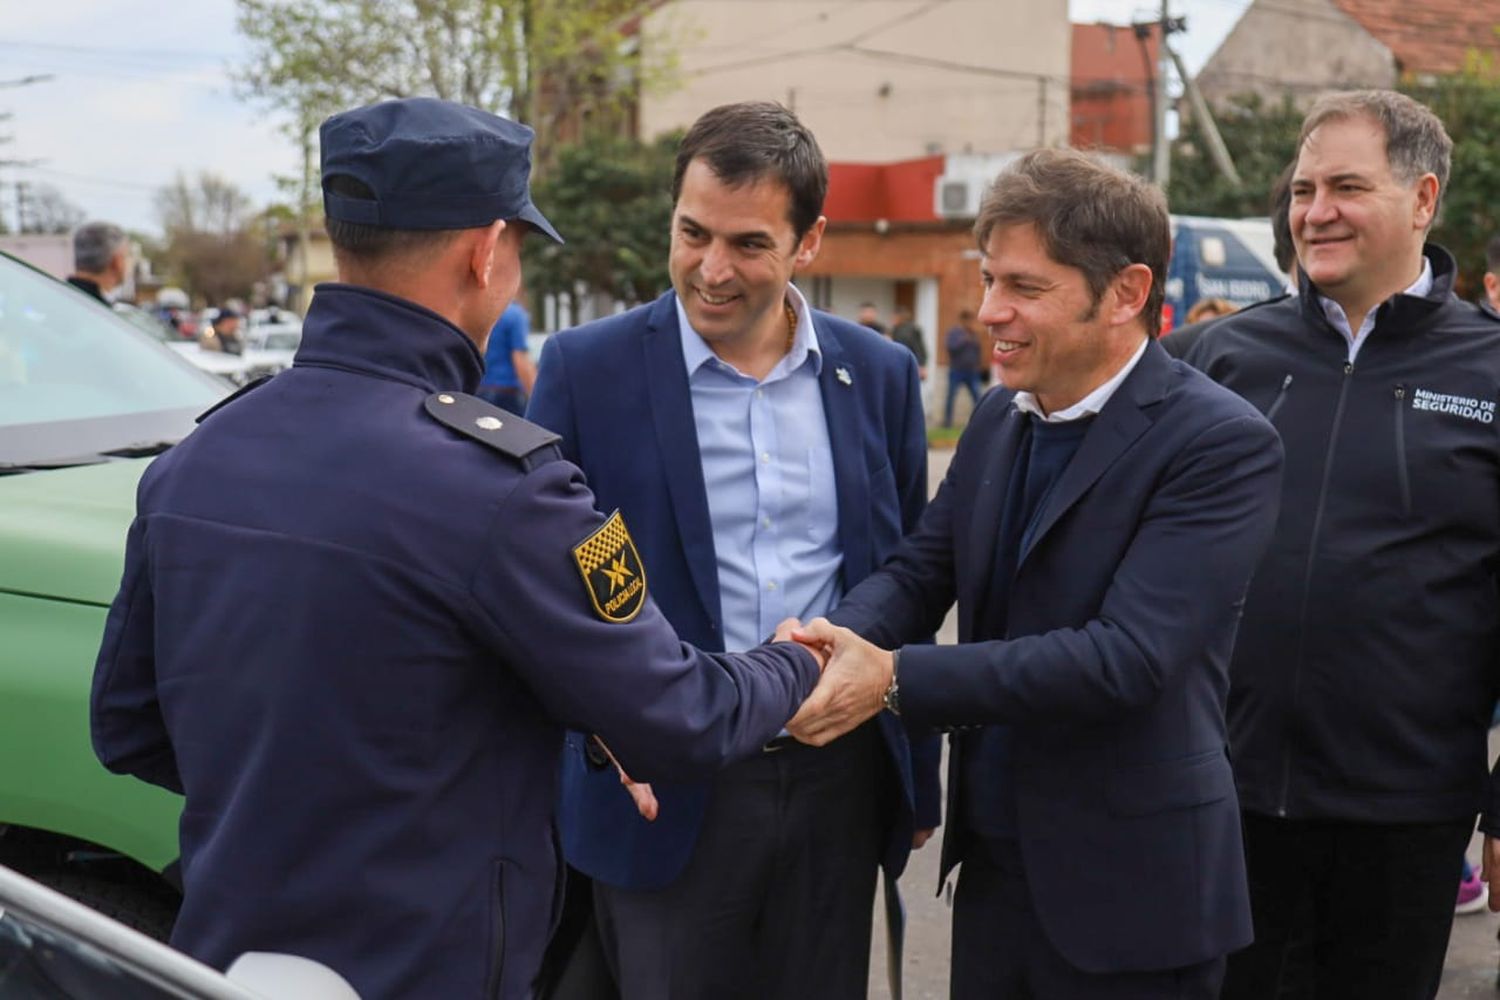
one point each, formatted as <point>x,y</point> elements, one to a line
<point>361,329</point>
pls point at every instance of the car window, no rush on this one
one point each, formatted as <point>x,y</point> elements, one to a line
<point>75,378</point>
<point>39,963</point>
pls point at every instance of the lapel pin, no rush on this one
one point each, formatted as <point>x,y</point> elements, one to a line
<point>842,374</point>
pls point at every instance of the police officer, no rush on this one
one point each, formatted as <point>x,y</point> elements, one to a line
<point>359,604</point>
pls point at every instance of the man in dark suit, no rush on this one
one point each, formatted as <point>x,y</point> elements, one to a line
<point>1098,527</point>
<point>773,456</point>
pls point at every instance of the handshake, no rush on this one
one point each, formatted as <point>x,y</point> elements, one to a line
<point>856,676</point>
<point>852,688</point>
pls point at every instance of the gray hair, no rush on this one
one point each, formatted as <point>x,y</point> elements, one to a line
<point>94,243</point>
<point>1416,142</point>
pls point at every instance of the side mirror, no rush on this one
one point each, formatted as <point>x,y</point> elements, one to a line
<point>288,977</point>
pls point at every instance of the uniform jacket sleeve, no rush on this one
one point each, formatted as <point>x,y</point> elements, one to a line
<point>129,734</point>
<point>667,710</point>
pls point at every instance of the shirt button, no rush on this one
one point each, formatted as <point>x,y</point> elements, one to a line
<point>771,585</point>
<point>760,393</point>
<point>765,457</point>
<point>765,522</point>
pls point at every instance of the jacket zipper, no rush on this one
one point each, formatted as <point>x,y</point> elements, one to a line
<point>1402,473</point>
<point>1312,549</point>
<point>1286,384</point>
<point>497,933</point>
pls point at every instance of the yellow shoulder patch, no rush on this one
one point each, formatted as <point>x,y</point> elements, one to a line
<point>612,571</point>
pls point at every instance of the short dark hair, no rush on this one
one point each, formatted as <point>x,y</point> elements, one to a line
<point>371,244</point>
<point>746,142</point>
<point>1416,142</point>
<point>1492,255</point>
<point>1282,247</point>
<point>1089,216</point>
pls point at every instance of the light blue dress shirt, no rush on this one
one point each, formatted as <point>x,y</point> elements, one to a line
<point>768,470</point>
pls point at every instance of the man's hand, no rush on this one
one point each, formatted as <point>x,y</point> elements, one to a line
<point>920,838</point>
<point>1489,870</point>
<point>640,791</point>
<point>785,629</point>
<point>851,690</point>
<point>787,632</point>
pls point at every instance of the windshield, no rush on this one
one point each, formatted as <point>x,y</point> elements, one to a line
<point>75,379</point>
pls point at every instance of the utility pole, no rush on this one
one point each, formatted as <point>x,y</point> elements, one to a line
<point>1161,159</point>
<point>20,186</point>
<point>1205,117</point>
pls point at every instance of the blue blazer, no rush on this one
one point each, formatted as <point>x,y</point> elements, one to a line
<point>1113,668</point>
<point>617,391</point>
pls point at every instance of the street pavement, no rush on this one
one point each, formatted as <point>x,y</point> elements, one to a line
<point>1469,973</point>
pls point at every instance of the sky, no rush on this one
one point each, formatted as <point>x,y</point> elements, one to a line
<point>141,90</point>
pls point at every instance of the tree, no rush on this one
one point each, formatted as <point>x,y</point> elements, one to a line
<point>44,209</point>
<point>211,244</point>
<point>1262,140</point>
<point>611,200</point>
<point>565,67</point>
<point>1469,105</point>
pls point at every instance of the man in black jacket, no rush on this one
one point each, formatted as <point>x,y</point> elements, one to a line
<point>1365,668</point>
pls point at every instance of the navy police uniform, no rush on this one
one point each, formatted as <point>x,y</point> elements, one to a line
<point>358,607</point>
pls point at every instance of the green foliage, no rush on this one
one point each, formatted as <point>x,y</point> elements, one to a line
<point>611,200</point>
<point>1469,106</point>
<point>564,67</point>
<point>1262,140</point>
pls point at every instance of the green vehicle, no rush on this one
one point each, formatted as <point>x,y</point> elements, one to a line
<point>86,401</point>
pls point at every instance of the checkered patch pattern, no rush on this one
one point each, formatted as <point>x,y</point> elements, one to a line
<point>608,541</point>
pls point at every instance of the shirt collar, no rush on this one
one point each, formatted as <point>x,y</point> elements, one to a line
<point>1088,405</point>
<point>1340,320</point>
<point>696,352</point>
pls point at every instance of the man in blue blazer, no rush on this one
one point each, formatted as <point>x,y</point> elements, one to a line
<point>768,457</point>
<point>1098,528</point>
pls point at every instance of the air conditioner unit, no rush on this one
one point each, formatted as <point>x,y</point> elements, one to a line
<point>957,197</point>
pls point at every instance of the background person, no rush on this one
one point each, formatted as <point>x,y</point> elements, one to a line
<point>509,373</point>
<point>101,259</point>
<point>962,341</point>
<point>908,334</point>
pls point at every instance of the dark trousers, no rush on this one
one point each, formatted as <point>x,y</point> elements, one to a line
<point>777,899</point>
<point>1343,909</point>
<point>508,397</point>
<point>1001,952</point>
<point>960,380</point>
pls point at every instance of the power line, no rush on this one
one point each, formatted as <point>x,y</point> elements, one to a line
<point>117,51</point>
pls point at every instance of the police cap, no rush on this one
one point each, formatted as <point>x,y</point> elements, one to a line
<point>430,164</point>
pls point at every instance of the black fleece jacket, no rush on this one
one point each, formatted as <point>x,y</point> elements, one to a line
<point>1365,669</point>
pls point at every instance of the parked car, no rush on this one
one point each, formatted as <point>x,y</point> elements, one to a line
<point>86,400</point>
<point>272,352</point>
<point>51,946</point>
<point>1231,259</point>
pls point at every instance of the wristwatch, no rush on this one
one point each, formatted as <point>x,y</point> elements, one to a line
<point>892,698</point>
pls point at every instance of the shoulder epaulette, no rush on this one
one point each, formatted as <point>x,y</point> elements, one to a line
<point>499,429</point>
<point>254,383</point>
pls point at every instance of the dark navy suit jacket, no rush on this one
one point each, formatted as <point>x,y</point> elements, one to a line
<point>617,391</point>
<point>1113,669</point>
